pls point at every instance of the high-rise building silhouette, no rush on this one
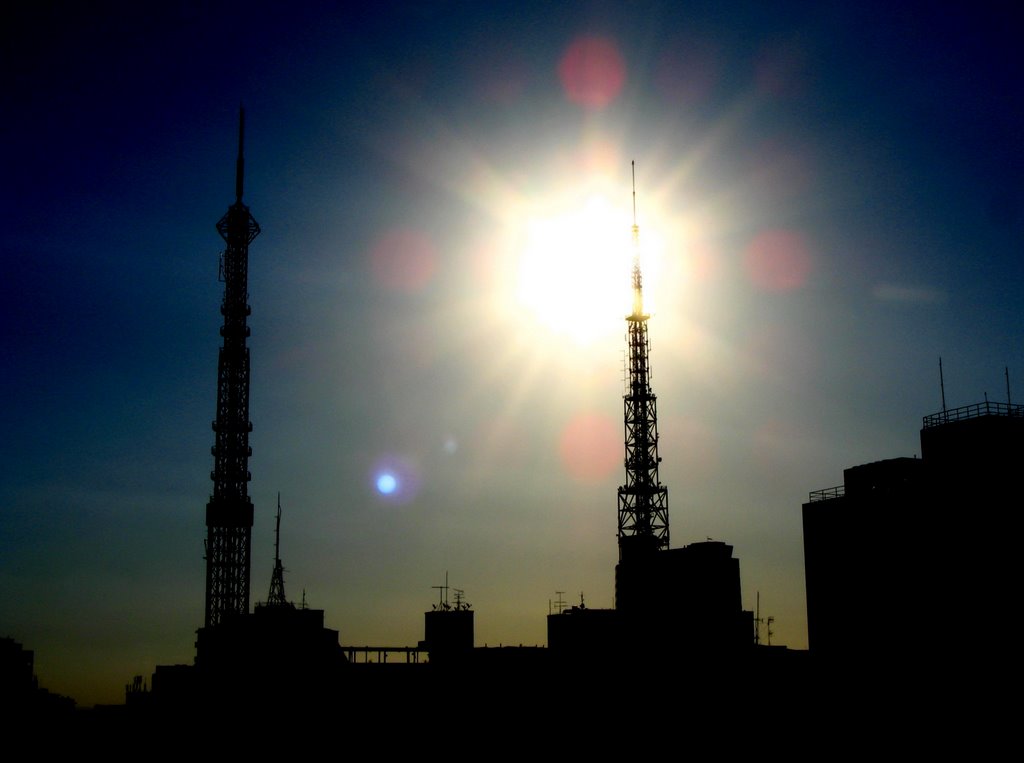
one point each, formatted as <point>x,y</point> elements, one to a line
<point>21,697</point>
<point>229,513</point>
<point>905,561</point>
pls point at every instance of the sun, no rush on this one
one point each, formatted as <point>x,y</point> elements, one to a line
<point>572,275</point>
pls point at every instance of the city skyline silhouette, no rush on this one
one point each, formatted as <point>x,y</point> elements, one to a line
<point>833,202</point>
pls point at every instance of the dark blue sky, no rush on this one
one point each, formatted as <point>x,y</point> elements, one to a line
<point>835,194</point>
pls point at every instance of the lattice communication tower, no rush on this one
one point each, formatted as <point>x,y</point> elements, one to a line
<point>229,513</point>
<point>643,500</point>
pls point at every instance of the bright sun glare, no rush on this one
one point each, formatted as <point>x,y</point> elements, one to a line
<point>573,271</point>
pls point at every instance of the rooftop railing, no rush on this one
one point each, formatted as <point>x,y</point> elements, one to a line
<point>972,412</point>
<point>830,492</point>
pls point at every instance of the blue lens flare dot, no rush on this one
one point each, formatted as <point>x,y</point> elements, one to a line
<point>394,479</point>
<point>387,483</point>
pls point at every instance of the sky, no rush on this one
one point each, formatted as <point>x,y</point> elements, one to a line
<point>829,198</point>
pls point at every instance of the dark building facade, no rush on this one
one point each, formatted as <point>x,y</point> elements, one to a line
<point>681,602</point>
<point>20,694</point>
<point>908,561</point>
<point>686,597</point>
<point>448,632</point>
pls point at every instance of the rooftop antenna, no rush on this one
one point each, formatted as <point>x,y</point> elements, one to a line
<point>1006,370</point>
<point>276,595</point>
<point>942,385</point>
<point>442,603</point>
<point>277,529</point>
<point>757,620</point>
<point>638,296</point>
<point>559,602</point>
<point>633,166</point>
<point>240,162</point>
<point>636,241</point>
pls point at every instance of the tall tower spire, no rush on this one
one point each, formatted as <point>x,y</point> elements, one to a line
<point>229,513</point>
<point>643,500</point>
<point>276,595</point>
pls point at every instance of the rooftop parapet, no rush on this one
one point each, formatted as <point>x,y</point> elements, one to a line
<point>972,412</point>
<point>827,493</point>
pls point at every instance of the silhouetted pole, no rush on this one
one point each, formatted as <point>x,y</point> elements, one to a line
<point>229,513</point>
<point>276,595</point>
<point>942,386</point>
<point>757,620</point>
<point>442,603</point>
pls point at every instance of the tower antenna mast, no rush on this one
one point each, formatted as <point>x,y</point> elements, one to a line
<point>643,500</point>
<point>276,595</point>
<point>942,385</point>
<point>633,165</point>
<point>229,512</point>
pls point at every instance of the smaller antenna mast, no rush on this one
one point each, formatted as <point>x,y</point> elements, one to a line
<point>757,620</point>
<point>277,531</point>
<point>276,595</point>
<point>638,284</point>
<point>240,162</point>
<point>559,602</point>
<point>442,603</point>
<point>633,165</point>
<point>1006,370</point>
<point>942,385</point>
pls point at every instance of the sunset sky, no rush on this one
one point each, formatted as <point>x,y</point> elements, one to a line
<point>829,195</point>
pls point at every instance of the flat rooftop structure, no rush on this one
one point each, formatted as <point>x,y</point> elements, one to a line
<point>888,546</point>
<point>827,493</point>
<point>974,411</point>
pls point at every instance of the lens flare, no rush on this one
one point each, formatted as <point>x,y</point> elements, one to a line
<point>921,295</point>
<point>573,270</point>
<point>387,483</point>
<point>592,72</point>
<point>403,261</point>
<point>591,447</point>
<point>395,479</point>
<point>778,260</point>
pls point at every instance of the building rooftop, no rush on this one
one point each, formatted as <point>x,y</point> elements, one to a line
<point>830,492</point>
<point>977,410</point>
